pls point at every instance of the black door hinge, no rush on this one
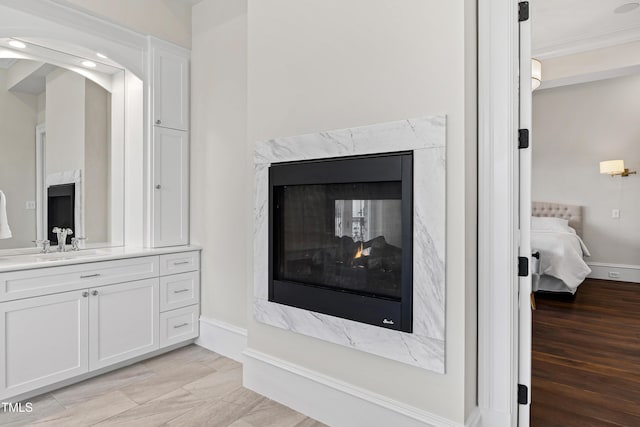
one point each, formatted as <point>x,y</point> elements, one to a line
<point>523,394</point>
<point>523,138</point>
<point>523,11</point>
<point>523,266</point>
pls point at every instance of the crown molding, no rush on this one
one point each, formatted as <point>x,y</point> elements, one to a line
<point>590,77</point>
<point>584,44</point>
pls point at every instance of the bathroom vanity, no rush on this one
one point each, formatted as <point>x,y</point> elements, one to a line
<point>100,146</point>
<point>82,313</point>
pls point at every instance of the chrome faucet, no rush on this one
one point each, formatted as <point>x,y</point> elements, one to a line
<point>62,234</point>
<point>75,243</point>
<point>45,245</point>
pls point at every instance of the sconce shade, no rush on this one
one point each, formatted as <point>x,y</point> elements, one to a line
<point>612,167</point>
<point>536,74</point>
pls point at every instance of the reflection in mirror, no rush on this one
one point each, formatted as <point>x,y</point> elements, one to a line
<point>61,147</point>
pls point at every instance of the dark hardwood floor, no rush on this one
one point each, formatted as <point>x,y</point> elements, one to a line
<point>586,357</point>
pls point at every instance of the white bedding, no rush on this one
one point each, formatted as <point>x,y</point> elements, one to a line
<point>561,255</point>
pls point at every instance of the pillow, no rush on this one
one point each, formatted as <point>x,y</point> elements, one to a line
<point>544,223</point>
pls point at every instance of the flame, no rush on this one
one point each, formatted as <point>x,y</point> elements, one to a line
<point>359,253</point>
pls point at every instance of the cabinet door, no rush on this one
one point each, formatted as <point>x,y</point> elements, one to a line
<point>43,340</point>
<point>170,217</point>
<point>123,322</point>
<point>170,90</point>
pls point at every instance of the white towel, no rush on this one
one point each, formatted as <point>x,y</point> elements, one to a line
<point>5,231</point>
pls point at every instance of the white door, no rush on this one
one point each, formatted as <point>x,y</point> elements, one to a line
<point>123,322</point>
<point>170,90</point>
<point>43,340</point>
<point>524,290</point>
<point>170,197</point>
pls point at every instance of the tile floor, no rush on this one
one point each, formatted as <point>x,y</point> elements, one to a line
<point>187,387</point>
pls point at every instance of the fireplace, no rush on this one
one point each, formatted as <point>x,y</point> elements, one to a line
<point>341,237</point>
<point>61,200</point>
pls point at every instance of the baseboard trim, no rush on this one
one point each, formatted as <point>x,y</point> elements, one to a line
<point>223,338</point>
<point>624,272</point>
<point>332,401</point>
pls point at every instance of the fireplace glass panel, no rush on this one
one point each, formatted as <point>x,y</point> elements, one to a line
<point>346,237</point>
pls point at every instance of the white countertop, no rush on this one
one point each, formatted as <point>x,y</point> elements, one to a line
<point>56,259</point>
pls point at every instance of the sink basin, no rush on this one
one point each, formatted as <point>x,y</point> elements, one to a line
<point>57,256</point>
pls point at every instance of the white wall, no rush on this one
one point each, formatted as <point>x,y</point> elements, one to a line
<point>318,65</point>
<point>65,112</point>
<point>575,128</point>
<point>18,117</point>
<point>220,181</point>
<point>167,19</point>
<point>97,162</point>
<point>41,108</point>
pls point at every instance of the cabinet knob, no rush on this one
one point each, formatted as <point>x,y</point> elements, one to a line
<point>85,294</point>
<point>158,121</point>
<point>94,293</point>
<point>158,186</point>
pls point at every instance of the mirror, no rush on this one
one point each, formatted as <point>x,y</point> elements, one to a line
<point>61,146</point>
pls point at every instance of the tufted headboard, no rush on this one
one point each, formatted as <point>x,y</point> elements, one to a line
<point>559,210</point>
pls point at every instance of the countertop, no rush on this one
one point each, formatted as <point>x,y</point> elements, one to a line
<point>56,259</point>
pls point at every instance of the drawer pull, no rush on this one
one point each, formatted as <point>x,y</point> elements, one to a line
<point>88,276</point>
<point>179,291</point>
<point>182,325</point>
<point>181,263</point>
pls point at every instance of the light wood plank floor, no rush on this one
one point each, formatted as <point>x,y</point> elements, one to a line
<point>190,386</point>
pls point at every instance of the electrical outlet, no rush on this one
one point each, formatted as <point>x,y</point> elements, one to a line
<point>30,205</point>
<point>615,214</point>
<point>614,275</point>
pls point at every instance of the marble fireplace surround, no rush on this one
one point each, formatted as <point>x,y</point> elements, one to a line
<point>425,347</point>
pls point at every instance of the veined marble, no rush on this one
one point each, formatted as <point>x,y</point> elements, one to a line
<point>426,137</point>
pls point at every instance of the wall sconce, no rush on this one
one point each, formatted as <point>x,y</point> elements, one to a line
<point>614,167</point>
<point>536,74</point>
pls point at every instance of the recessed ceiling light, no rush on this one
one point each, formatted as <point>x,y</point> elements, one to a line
<point>89,64</point>
<point>101,55</point>
<point>627,7</point>
<point>17,44</point>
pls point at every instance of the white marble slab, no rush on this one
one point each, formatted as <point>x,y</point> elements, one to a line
<point>426,137</point>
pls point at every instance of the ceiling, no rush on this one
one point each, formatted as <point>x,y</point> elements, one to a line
<point>35,82</point>
<point>6,63</point>
<point>562,27</point>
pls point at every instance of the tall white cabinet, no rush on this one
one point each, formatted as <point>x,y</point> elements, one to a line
<point>171,187</point>
<point>171,87</point>
<point>169,147</point>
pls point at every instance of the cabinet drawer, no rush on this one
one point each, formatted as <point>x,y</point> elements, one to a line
<point>179,290</point>
<point>179,325</point>
<point>42,281</point>
<point>179,263</point>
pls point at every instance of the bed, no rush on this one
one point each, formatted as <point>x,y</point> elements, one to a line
<point>556,234</point>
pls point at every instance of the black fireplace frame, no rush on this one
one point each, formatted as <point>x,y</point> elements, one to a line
<point>65,193</point>
<point>375,310</point>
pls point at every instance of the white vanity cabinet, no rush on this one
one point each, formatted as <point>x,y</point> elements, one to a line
<point>44,340</point>
<point>59,323</point>
<point>123,322</point>
<point>169,145</point>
